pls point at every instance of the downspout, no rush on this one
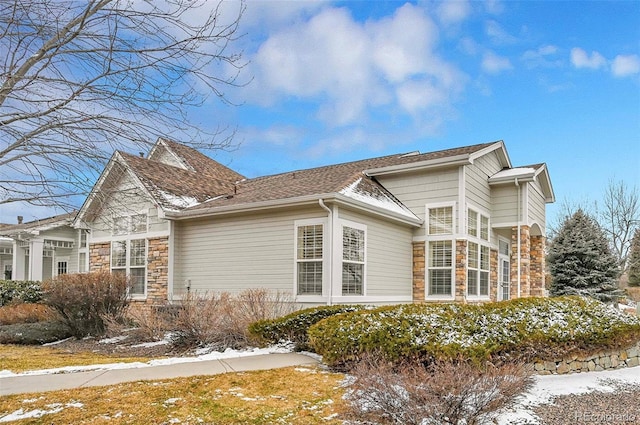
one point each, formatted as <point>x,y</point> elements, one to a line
<point>518,236</point>
<point>330,253</point>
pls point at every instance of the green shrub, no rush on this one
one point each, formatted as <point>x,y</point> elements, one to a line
<point>522,329</point>
<point>25,291</point>
<point>34,333</point>
<point>293,327</point>
<point>85,300</point>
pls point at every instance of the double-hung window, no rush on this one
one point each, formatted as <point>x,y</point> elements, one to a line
<point>129,253</point>
<point>129,257</point>
<point>440,252</point>
<point>309,259</point>
<point>478,254</point>
<point>353,260</point>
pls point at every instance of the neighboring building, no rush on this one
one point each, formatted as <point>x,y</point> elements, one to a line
<point>41,249</point>
<point>460,224</point>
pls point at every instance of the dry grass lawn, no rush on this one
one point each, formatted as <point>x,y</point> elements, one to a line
<point>296,395</point>
<point>18,358</point>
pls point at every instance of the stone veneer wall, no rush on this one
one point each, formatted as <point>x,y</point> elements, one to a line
<point>157,270</point>
<point>525,260</point>
<point>537,266</point>
<point>494,285</point>
<point>614,359</point>
<point>100,257</point>
<point>461,270</point>
<point>418,271</point>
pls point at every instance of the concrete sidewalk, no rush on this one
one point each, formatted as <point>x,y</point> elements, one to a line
<point>95,378</point>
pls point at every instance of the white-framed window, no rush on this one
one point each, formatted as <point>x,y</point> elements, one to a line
<point>478,254</point>
<point>123,225</point>
<point>309,257</point>
<point>440,251</point>
<point>353,259</point>
<point>478,270</point>
<point>129,257</point>
<point>83,251</point>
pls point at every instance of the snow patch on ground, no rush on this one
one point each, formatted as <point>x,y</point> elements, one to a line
<point>38,413</point>
<point>548,387</point>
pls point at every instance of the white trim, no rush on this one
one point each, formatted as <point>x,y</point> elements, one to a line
<point>454,217</point>
<point>171,259</point>
<point>462,159</point>
<point>462,195</point>
<point>149,235</point>
<point>525,203</point>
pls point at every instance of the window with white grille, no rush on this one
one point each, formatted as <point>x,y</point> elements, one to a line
<point>309,259</point>
<point>353,260</point>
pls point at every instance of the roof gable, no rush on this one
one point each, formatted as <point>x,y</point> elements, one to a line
<point>40,225</point>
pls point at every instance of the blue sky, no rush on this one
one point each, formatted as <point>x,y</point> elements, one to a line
<point>330,82</point>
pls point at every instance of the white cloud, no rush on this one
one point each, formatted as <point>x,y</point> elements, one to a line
<point>348,67</point>
<point>499,35</point>
<point>544,56</point>
<point>453,11</point>
<point>625,65</point>
<point>580,59</point>
<point>494,64</point>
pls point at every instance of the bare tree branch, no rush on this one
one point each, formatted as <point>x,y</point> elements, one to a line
<point>79,80</point>
<point>620,217</point>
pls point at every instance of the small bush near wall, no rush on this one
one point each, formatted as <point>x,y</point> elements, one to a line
<point>85,300</point>
<point>523,330</point>
<point>294,327</point>
<point>25,313</point>
<point>20,291</point>
<point>221,320</point>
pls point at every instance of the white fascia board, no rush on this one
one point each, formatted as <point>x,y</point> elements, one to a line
<point>421,165</point>
<point>249,207</point>
<point>503,154</point>
<point>363,206</point>
<point>292,202</point>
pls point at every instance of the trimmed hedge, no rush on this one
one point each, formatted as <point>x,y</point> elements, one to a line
<point>25,291</point>
<point>293,327</point>
<point>522,329</point>
<point>34,333</point>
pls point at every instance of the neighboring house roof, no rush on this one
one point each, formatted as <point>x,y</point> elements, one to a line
<point>36,226</point>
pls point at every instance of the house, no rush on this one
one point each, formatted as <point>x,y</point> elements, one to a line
<point>460,224</point>
<point>41,249</point>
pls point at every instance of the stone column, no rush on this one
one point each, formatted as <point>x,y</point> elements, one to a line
<point>461,270</point>
<point>525,260</point>
<point>494,285</point>
<point>100,257</point>
<point>537,271</point>
<point>418,272</point>
<point>157,270</point>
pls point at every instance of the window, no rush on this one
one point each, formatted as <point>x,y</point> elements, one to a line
<point>309,259</point>
<point>478,253</point>
<point>353,251</point>
<point>478,270</point>
<point>440,268</point>
<point>441,221</point>
<point>124,225</point>
<point>62,267</point>
<point>83,238</point>
<point>475,220</point>
<point>130,258</point>
<point>82,262</point>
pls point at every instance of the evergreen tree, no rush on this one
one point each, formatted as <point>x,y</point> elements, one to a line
<point>581,261</point>
<point>634,260</point>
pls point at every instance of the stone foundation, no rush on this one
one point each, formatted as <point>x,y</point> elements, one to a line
<point>525,261</point>
<point>615,359</point>
<point>537,266</point>
<point>157,270</point>
<point>494,285</point>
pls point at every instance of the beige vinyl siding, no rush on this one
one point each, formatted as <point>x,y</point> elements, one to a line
<point>504,208</point>
<point>478,192</point>
<point>129,199</point>
<point>418,189</point>
<point>389,256</point>
<point>238,252</point>
<point>537,205</point>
